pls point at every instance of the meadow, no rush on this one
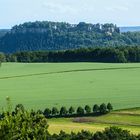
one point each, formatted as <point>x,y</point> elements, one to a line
<point>41,85</point>
<point>128,119</point>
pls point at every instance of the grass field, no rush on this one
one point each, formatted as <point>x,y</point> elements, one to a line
<point>125,119</point>
<point>55,84</point>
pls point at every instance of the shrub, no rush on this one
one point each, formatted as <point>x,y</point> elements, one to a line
<point>114,133</point>
<point>39,111</point>
<point>19,107</point>
<point>23,125</point>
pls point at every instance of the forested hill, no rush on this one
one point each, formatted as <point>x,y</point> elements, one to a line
<point>3,32</point>
<point>46,35</point>
<point>130,29</point>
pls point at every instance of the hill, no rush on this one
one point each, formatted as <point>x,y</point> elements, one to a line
<point>130,29</point>
<point>46,35</point>
<point>3,32</point>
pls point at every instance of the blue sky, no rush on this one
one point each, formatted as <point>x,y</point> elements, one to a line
<point>120,12</point>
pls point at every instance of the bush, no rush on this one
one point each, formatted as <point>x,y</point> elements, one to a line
<point>23,125</point>
<point>39,111</point>
<point>113,133</point>
<point>19,107</point>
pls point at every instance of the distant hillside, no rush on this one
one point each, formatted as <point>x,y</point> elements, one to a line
<point>3,32</point>
<point>46,35</point>
<point>130,29</point>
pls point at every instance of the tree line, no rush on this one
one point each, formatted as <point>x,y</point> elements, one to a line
<point>79,111</point>
<point>105,54</point>
<point>45,35</point>
<point>112,133</point>
<point>96,110</point>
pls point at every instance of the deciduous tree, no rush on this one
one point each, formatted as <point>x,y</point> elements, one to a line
<point>87,109</point>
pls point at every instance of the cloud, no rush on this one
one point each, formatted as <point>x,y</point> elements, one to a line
<point>117,8</point>
<point>58,8</point>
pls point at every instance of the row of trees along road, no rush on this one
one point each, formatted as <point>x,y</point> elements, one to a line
<point>71,112</point>
<point>87,110</point>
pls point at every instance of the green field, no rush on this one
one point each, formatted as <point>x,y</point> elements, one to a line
<point>44,85</point>
<point>125,119</point>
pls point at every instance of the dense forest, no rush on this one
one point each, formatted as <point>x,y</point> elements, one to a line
<point>3,32</point>
<point>100,54</point>
<point>45,35</point>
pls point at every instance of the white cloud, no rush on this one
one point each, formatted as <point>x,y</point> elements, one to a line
<point>58,8</point>
<point>117,8</point>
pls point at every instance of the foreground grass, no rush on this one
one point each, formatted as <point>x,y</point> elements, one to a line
<point>93,124</point>
<point>55,84</point>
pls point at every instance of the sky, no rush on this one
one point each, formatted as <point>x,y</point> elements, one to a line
<point>120,12</point>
